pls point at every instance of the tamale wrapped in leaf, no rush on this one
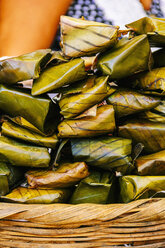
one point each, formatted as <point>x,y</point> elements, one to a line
<point>159,58</point>
<point>9,175</point>
<point>150,134</point>
<point>109,153</point>
<point>153,27</point>
<point>20,154</point>
<point>152,164</point>
<point>37,196</point>
<point>157,114</point>
<point>66,175</point>
<point>74,104</point>
<point>84,38</point>
<point>152,82</point>
<point>126,102</point>
<point>126,58</point>
<point>24,67</point>
<point>96,188</point>
<point>59,75</point>
<point>136,187</point>
<point>103,122</point>
<point>39,111</point>
<point>15,131</point>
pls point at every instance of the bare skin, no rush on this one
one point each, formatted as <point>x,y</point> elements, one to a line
<point>27,25</point>
<point>146,4</point>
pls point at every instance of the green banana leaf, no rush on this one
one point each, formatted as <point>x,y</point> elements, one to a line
<point>9,175</point>
<point>91,112</point>
<point>127,101</point>
<point>153,27</point>
<point>78,87</point>
<point>150,134</point>
<point>136,187</point>
<point>14,174</point>
<point>74,104</point>
<point>109,153</point>
<point>57,58</point>
<point>4,169</point>
<point>152,164</point>
<point>66,175</point>
<point>152,82</point>
<point>157,114</point>
<point>20,154</point>
<point>159,58</point>
<point>59,75</point>
<point>84,38</point>
<point>4,185</point>
<point>17,132</point>
<point>96,188</point>
<point>39,111</point>
<point>26,124</point>
<point>126,58</point>
<point>103,122</point>
<point>37,196</point>
<point>24,67</point>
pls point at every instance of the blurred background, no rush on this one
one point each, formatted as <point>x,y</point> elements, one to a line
<point>27,25</point>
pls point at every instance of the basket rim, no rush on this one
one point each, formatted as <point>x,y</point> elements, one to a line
<point>135,211</point>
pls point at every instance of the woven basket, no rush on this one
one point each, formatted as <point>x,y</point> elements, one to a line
<point>140,223</point>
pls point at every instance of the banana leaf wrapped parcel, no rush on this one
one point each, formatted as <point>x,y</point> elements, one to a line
<point>15,131</point>
<point>97,188</point>
<point>83,38</point>
<point>72,105</point>
<point>108,153</point>
<point>126,58</point>
<point>103,122</point>
<point>24,67</point>
<point>152,164</point>
<point>17,102</point>
<point>20,154</point>
<point>59,75</point>
<point>150,134</point>
<point>127,101</point>
<point>153,27</point>
<point>151,82</point>
<point>9,175</point>
<point>66,175</point>
<point>137,187</point>
<point>37,196</point>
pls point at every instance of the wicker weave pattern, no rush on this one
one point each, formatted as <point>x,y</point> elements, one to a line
<point>141,223</point>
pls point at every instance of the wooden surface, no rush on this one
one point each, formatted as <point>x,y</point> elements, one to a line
<point>140,223</point>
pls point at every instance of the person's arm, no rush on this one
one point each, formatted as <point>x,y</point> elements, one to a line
<point>146,4</point>
<point>27,25</point>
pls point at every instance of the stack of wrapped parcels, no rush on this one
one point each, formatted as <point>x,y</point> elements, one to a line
<point>91,128</point>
